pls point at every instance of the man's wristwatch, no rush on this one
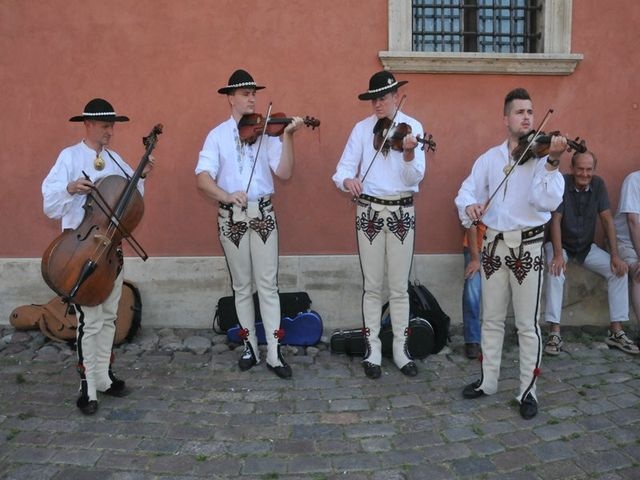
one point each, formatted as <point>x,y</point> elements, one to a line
<point>553,163</point>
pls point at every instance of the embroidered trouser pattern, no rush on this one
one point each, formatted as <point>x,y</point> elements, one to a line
<point>250,242</point>
<point>96,329</point>
<point>385,239</point>
<point>514,274</point>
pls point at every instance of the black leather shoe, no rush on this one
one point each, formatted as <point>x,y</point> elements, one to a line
<point>472,350</point>
<point>528,407</point>
<point>472,391</point>
<point>283,371</point>
<point>86,406</point>
<point>117,389</point>
<point>410,369</point>
<point>248,359</point>
<point>371,370</point>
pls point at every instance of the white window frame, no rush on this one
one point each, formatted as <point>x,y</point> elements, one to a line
<point>557,58</point>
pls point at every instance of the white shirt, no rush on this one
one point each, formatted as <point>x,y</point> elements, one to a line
<point>629,203</point>
<point>229,162</point>
<point>72,161</point>
<point>525,200</point>
<point>390,174</point>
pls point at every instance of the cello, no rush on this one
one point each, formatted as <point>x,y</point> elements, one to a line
<point>82,264</point>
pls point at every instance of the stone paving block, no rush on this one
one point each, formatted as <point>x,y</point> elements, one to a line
<point>473,467</point>
<point>216,467</point>
<point>557,431</point>
<point>485,446</point>
<point>172,464</point>
<point>330,446</point>
<point>375,444</point>
<point>309,464</point>
<point>356,462</point>
<point>458,434</point>
<point>257,465</point>
<point>552,451</point>
<point>430,471</point>
<point>603,461</point>
<point>352,404</point>
<point>116,442</point>
<point>81,457</point>
<point>123,460</point>
<point>514,459</point>
<point>28,472</point>
<point>591,441</point>
<point>160,445</point>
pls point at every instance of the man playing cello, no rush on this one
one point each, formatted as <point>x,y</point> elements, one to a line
<point>64,192</point>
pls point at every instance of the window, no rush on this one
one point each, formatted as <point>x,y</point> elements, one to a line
<point>500,26</point>
<point>480,36</point>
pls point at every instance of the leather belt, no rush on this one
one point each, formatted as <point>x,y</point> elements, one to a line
<point>262,201</point>
<point>530,233</point>
<point>403,202</point>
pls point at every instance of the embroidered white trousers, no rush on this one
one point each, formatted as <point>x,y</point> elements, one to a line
<point>249,239</point>
<point>514,274</point>
<point>385,240</point>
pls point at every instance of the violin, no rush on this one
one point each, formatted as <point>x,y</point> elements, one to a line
<point>395,137</point>
<point>540,147</point>
<point>82,264</point>
<point>251,125</point>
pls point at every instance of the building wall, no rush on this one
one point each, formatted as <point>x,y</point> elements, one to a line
<point>162,61</point>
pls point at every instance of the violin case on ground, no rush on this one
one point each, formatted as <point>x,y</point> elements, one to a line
<point>58,321</point>
<point>427,334</point>
<point>291,304</point>
<point>303,330</point>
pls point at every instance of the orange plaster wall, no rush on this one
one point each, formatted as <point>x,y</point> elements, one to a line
<point>162,61</point>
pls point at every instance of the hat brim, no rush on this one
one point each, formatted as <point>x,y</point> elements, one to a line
<point>381,93</point>
<point>105,118</point>
<point>228,90</point>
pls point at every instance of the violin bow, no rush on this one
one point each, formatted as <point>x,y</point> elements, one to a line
<point>524,152</point>
<point>255,160</point>
<point>386,137</point>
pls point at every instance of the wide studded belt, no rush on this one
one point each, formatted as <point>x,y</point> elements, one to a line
<point>530,233</point>
<point>402,201</point>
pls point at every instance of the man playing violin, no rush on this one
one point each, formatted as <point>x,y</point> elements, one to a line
<point>383,180</point>
<point>64,191</point>
<point>237,174</point>
<point>573,228</point>
<point>512,257</point>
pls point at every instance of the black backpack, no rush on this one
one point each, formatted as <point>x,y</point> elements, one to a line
<point>423,304</point>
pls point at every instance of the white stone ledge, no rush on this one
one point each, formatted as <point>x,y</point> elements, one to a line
<point>480,63</point>
<point>183,291</point>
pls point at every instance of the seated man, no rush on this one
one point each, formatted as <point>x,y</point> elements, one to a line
<point>627,223</point>
<point>573,227</point>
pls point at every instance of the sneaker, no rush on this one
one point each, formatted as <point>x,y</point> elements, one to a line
<point>620,340</point>
<point>554,344</point>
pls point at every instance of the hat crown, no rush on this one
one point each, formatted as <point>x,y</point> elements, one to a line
<point>381,80</point>
<point>99,106</point>
<point>240,77</point>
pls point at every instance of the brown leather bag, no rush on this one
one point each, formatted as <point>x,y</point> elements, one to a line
<point>58,321</point>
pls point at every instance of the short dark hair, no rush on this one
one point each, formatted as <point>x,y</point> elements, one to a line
<point>576,154</point>
<point>515,94</point>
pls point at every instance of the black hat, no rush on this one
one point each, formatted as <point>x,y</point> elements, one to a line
<point>380,84</point>
<point>239,79</point>
<point>99,109</point>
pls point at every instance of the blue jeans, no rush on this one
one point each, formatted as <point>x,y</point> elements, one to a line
<point>471,301</point>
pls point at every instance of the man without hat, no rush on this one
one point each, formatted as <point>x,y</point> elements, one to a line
<point>237,175</point>
<point>383,181</point>
<point>64,191</point>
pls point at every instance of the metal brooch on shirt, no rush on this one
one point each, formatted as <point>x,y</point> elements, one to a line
<point>98,163</point>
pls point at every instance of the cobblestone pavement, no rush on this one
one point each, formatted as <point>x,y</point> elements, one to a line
<point>192,414</point>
